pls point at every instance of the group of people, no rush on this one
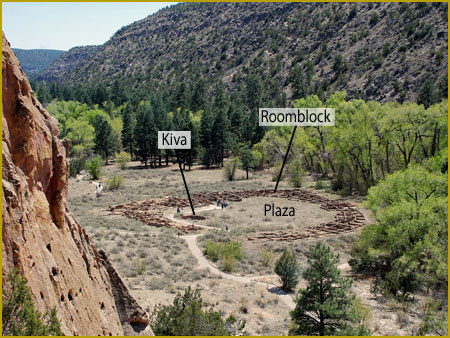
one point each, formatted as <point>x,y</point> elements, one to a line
<point>222,204</point>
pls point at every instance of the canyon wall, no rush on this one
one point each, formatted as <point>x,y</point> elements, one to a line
<point>40,235</point>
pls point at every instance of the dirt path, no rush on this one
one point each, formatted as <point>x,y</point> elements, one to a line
<point>203,263</point>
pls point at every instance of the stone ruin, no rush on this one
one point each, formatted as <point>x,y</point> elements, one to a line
<point>347,217</point>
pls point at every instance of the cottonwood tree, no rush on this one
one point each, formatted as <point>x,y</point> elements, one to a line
<point>406,248</point>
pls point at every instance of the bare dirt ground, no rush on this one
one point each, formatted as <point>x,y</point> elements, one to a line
<point>156,263</point>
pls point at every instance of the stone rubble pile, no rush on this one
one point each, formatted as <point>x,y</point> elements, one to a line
<point>347,217</point>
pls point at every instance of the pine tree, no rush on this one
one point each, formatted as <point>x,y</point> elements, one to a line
<point>254,89</point>
<point>287,268</point>
<point>237,117</point>
<point>247,159</point>
<point>145,134</point>
<point>206,136</point>
<point>299,84</point>
<point>105,140</point>
<point>199,95</point>
<point>160,116</point>
<point>220,129</point>
<point>129,123</point>
<point>188,317</point>
<point>43,93</point>
<point>19,317</point>
<point>117,93</point>
<point>427,94</point>
<point>325,306</point>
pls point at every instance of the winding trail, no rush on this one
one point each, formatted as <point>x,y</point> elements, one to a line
<point>203,262</point>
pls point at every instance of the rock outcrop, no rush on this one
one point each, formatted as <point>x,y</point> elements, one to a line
<point>40,235</point>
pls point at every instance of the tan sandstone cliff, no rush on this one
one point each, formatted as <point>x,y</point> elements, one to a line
<point>40,235</point>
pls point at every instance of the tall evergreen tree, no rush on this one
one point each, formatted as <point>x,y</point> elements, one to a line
<point>129,123</point>
<point>199,95</point>
<point>220,129</point>
<point>325,307</point>
<point>118,95</point>
<point>161,118</point>
<point>247,159</point>
<point>237,118</point>
<point>145,133</point>
<point>299,83</point>
<point>206,137</point>
<point>254,90</point>
<point>105,141</point>
<point>427,94</point>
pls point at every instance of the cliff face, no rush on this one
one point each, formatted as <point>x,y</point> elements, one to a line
<point>40,235</point>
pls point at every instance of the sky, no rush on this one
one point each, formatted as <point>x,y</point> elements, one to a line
<point>59,25</point>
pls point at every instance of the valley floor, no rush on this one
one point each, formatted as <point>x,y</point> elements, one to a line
<point>156,262</point>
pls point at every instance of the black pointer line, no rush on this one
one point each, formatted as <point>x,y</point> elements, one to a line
<point>185,184</point>
<point>285,158</point>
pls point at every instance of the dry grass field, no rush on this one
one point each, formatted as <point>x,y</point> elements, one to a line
<point>156,263</point>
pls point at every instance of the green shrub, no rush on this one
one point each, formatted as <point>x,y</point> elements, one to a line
<point>140,267</point>
<point>76,165</point>
<point>226,252</point>
<point>228,262</point>
<point>93,167</point>
<point>319,184</point>
<point>122,159</point>
<point>212,250</point>
<point>230,167</point>
<point>276,173</point>
<point>187,317</point>
<point>114,182</point>
<point>233,248</point>
<point>259,159</point>
<point>19,317</point>
<point>296,173</point>
<point>434,320</point>
<point>266,256</point>
<point>287,268</point>
<point>374,18</point>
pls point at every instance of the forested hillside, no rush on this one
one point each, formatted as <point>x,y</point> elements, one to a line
<point>66,63</point>
<point>34,61</point>
<point>380,51</point>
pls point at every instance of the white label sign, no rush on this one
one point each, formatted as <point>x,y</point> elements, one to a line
<point>174,139</point>
<point>303,117</point>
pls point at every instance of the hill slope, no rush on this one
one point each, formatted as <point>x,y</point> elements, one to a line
<point>66,63</point>
<point>375,51</point>
<point>34,61</point>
